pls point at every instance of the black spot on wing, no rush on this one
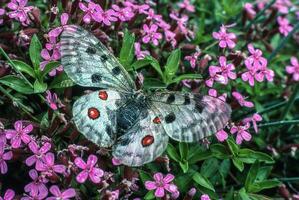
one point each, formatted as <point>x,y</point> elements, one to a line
<point>104,58</point>
<point>116,70</point>
<point>91,50</point>
<point>187,100</point>
<point>199,107</point>
<point>170,118</point>
<point>170,99</point>
<point>96,78</point>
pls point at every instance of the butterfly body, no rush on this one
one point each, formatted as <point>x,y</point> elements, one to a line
<point>136,125</point>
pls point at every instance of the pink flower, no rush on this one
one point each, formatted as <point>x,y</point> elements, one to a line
<point>123,14</point>
<point>283,6</point>
<point>92,11</point>
<point>248,7</point>
<point>89,170</point>
<point>255,118</point>
<point>19,135</point>
<point>52,100</point>
<point>222,73</point>
<point>284,25</point>
<point>48,58</point>
<point>141,9</point>
<point>37,186</point>
<point>293,68</point>
<point>39,153</point>
<point>242,133</point>
<point>250,74</point>
<point>2,12</point>
<point>4,156</point>
<point>9,195</point>
<point>213,93</point>
<point>40,196</point>
<point>161,184</point>
<point>205,197</point>
<point>115,161</point>
<point>182,23</point>
<point>56,31</point>
<point>265,73</point>
<point>225,39</point>
<point>221,136</point>
<point>188,82</point>
<point>19,11</point>
<point>54,46</point>
<point>48,166</point>
<point>108,16</point>
<point>241,100</point>
<point>187,6</point>
<point>151,15</point>
<point>139,53</point>
<point>61,195</point>
<point>151,34</point>
<point>256,57</point>
<point>193,58</point>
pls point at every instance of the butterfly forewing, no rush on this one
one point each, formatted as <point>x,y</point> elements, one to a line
<point>190,117</point>
<point>95,116</point>
<point>88,62</point>
<point>143,142</point>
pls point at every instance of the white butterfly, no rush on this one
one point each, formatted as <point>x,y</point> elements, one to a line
<point>134,124</point>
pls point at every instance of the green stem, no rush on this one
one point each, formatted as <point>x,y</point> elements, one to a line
<point>210,46</point>
<point>290,103</point>
<point>260,14</point>
<point>22,106</point>
<point>278,123</point>
<point>289,179</point>
<point>283,42</point>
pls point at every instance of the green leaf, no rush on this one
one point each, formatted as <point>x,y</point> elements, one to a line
<point>172,153</point>
<point>127,50</point>
<point>144,176</point>
<point>152,83</point>
<point>172,65</point>
<point>184,149</point>
<point>230,194</point>
<point>148,60</point>
<point>248,153</point>
<point>263,173</point>
<point>243,195</point>
<point>17,84</point>
<point>238,164</point>
<point>203,155</point>
<point>34,52</point>
<point>23,67</point>
<point>209,167</point>
<point>204,182</point>
<point>149,195</point>
<point>49,67</point>
<point>224,170</point>
<point>262,185</point>
<point>234,148</point>
<point>184,165</point>
<point>39,87</point>
<point>61,81</point>
<point>186,77</point>
<point>219,151</point>
<point>251,176</point>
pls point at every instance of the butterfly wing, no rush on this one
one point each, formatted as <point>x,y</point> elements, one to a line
<point>190,117</point>
<point>89,63</point>
<point>95,116</point>
<point>143,142</point>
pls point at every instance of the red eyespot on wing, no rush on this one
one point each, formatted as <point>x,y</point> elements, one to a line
<point>147,140</point>
<point>93,113</point>
<point>157,120</point>
<point>103,95</point>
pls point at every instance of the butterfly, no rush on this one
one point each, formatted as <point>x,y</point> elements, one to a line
<point>136,125</point>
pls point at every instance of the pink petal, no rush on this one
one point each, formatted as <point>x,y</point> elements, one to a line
<point>10,133</point>
<point>7,156</point>
<point>213,92</point>
<point>158,177</point>
<point>3,167</point>
<point>216,35</point>
<point>59,168</point>
<point>25,138</point>
<point>55,32</point>
<point>55,191</point>
<point>9,194</point>
<point>92,160</point>
<point>96,174</point>
<point>294,61</point>
<point>82,7</point>
<point>168,178</point>
<point>221,135</point>
<point>87,18</point>
<point>69,193</point>
<point>49,158</point>
<point>146,39</point>
<point>150,185</point>
<point>159,192</point>
<point>15,142</point>
<point>33,174</point>
<point>233,129</point>
<point>45,54</point>
<point>239,139</point>
<point>30,160</point>
<point>64,18</point>
<point>18,126</point>
<point>222,61</point>
<point>231,44</point>
<point>245,135</point>
<point>82,176</point>
<point>222,44</point>
<point>45,148</point>
<point>248,104</point>
<point>33,147</point>
<point>80,163</point>
<point>250,48</point>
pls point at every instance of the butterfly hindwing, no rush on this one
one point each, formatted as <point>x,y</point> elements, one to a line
<point>190,117</point>
<point>143,142</point>
<point>95,116</point>
<point>89,63</point>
